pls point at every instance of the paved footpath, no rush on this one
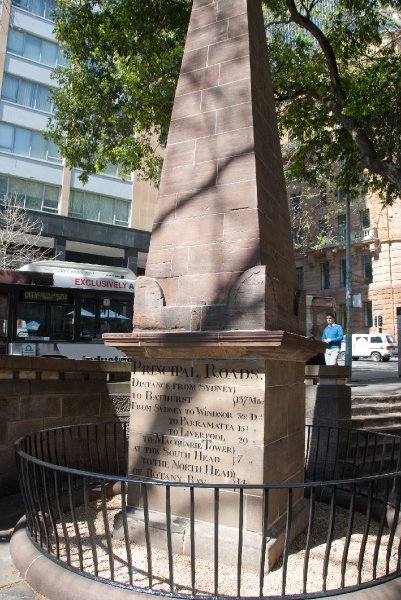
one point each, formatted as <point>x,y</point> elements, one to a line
<point>12,586</point>
<point>364,382</point>
<point>375,379</point>
<point>375,387</point>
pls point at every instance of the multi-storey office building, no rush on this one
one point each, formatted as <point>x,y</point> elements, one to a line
<point>319,240</point>
<point>106,221</point>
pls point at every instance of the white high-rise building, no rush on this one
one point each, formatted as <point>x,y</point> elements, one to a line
<point>105,221</point>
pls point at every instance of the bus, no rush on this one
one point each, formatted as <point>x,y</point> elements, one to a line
<point>61,309</point>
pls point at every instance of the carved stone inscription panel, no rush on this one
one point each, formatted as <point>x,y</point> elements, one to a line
<point>198,421</point>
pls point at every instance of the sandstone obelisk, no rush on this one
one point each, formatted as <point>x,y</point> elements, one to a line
<point>217,347</point>
<point>221,255</point>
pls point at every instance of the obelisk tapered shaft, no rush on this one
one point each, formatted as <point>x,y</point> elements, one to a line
<point>221,253</point>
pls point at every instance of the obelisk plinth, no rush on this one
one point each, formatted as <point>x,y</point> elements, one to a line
<point>218,353</point>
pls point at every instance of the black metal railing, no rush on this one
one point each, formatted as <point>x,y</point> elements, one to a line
<point>336,531</point>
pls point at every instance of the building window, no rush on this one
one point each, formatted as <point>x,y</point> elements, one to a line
<point>113,170</point>
<point>6,137</point>
<point>34,48</point>
<point>295,203</point>
<point>341,315</point>
<point>342,269</point>
<point>26,93</point>
<point>41,8</point>
<point>341,195</point>
<point>3,187</point>
<point>300,278</point>
<point>367,314</point>
<point>297,237</point>
<point>323,197</point>
<point>364,216</point>
<point>31,194</point>
<point>323,228</point>
<point>103,209</point>
<point>367,269</point>
<point>324,276</point>
<point>25,142</point>
<point>341,226</point>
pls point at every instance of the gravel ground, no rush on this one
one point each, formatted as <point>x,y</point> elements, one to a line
<point>228,575</point>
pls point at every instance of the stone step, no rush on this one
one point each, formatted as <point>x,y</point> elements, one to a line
<point>390,429</point>
<point>369,421</point>
<point>387,423</point>
<point>390,400</point>
<point>377,450</point>
<point>375,409</point>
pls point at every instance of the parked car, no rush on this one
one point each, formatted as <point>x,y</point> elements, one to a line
<point>377,346</point>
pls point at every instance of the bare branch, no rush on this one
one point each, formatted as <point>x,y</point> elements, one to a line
<point>20,235</point>
<point>326,47</point>
<point>275,23</point>
<point>369,157</point>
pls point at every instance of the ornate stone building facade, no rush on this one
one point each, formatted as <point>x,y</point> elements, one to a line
<point>319,240</point>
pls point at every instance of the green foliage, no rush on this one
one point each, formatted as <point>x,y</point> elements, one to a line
<point>115,97</point>
<point>335,67</point>
<point>314,224</point>
<point>336,74</point>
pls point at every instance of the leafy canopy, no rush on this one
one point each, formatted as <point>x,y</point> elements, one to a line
<point>336,72</point>
<point>115,96</point>
<point>335,66</point>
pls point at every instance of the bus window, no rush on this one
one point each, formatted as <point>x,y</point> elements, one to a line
<point>116,318</point>
<point>88,319</point>
<point>45,319</point>
<point>30,317</point>
<point>60,326</point>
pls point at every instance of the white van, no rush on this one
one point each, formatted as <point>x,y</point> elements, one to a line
<point>377,346</point>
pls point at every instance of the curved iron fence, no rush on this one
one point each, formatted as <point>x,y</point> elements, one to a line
<point>77,495</point>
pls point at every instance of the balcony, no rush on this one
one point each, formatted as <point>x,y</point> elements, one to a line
<point>358,236</point>
<point>366,234</point>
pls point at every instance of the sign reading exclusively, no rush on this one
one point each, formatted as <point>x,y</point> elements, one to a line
<point>197,421</point>
<point>93,282</point>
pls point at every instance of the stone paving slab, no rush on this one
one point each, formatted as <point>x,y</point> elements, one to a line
<point>12,586</point>
<point>8,573</point>
<point>21,591</point>
<point>376,387</point>
<point>11,583</point>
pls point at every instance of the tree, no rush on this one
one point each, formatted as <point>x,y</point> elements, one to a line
<point>336,72</point>
<point>335,67</point>
<point>20,235</point>
<point>115,97</point>
<point>318,218</point>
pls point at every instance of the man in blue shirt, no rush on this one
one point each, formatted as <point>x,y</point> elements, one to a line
<point>332,335</point>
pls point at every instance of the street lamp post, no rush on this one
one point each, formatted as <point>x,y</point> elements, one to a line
<point>348,290</point>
